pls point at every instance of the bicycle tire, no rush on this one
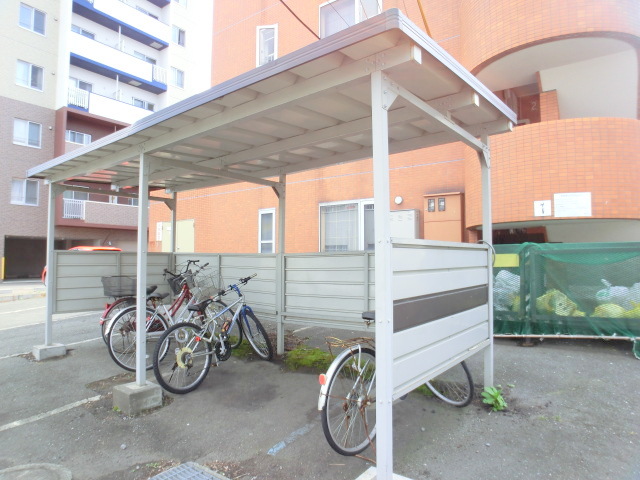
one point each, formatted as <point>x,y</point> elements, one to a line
<point>111,311</point>
<point>234,333</point>
<point>256,334</point>
<point>454,386</point>
<point>122,337</point>
<point>349,413</point>
<point>182,358</point>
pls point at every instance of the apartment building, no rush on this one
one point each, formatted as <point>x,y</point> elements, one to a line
<point>568,172</point>
<point>74,71</point>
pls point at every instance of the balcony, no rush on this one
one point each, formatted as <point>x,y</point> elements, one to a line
<point>113,63</point>
<point>107,107</point>
<point>119,16</point>
<point>86,213</point>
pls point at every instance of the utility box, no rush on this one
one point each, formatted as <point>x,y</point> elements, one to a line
<point>444,216</point>
<point>405,223</point>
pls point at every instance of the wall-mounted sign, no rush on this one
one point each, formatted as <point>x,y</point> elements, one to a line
<point>575,204</point>
<point>542,208</point>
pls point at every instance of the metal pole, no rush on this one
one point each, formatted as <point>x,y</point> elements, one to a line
<point>487,236</point>
<point>280,267</point>
<point>51,267</point>
<point>141,269</point>
<point>383,278</point>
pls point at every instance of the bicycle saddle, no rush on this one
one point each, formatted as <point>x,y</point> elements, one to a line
<point>199,307</point>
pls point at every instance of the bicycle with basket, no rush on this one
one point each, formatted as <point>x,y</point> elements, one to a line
<point>121,331</point>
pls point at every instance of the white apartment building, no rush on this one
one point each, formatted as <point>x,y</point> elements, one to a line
<point>74,71</point>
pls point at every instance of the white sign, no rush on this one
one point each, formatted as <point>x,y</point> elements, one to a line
<point>542,208</point>
<point>576,204</point>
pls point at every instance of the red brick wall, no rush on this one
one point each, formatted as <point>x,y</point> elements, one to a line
<point>597,155</point>
<point>492,28</point>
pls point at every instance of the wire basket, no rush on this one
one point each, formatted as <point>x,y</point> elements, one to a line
<point>119,286</point>
<point>206,285</point>
<point>176,283</point>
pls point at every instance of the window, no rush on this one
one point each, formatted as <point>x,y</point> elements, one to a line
<point>124,201</point>
<point>178,35</point>
<point>143,104</point>
<point>83,32</point>
<point>267,44</point>
<point>77,83</point>
<point>266,230</point>
<point>441,204</point>
<point>24,192</point>
<point>26,133</point>
<point>73,195</point>
<point>337,15</point>
<point>29,75</point>
<point>347,226</point>
<point>177,77</point>
<point>143,57</point>
<point>77,137</point>
<point>31,19</point>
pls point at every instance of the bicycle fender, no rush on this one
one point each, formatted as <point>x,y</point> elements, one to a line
<point>322,399</point>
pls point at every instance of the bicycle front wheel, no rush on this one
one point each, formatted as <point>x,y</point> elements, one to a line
<point>123,337</point>
<point>182,358</point>
<point>455,386</point>
<point>256,334</point>
<point>349,414</point>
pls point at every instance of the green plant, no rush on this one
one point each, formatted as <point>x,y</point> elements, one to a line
<point>313,358</point>
<point>493,396</point>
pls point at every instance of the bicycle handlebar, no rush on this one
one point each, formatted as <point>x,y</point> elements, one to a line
<point>234,286</point>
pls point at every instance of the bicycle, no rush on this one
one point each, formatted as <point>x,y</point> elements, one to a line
<point>123,291</point>
<point>185,352</point>
<point>121,331</point>
<point>347,398</point>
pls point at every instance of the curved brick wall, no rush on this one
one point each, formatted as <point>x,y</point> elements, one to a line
<point>491,28</point>
<point>597,155</point>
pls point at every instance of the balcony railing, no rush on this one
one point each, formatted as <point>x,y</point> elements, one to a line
<point>111,62</point>
<point>73,208</point>
<point>109,107</point>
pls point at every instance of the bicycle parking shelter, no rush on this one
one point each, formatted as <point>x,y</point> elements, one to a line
<point>374,89</point>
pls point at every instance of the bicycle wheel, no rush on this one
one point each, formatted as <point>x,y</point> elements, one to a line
<point>122,337</point>
<point>111,311</point>
<point>234,333</point>
<point>256,334</point>
<point>182,358</point>
<point>349,414</point>
<point>455,386</point>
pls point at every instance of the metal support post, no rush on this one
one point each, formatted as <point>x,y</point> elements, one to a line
<point>141,268</point>
<point>381,100</point>
<point>281,192</point>
<point>487,235</point>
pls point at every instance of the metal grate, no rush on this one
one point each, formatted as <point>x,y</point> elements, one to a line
<point>189,471</point>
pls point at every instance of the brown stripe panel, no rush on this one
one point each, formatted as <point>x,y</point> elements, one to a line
<point>414,311</point>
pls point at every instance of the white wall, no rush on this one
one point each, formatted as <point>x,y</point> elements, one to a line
<point>605,86</point>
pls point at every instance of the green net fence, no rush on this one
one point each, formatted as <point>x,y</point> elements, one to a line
<point>585,289</point>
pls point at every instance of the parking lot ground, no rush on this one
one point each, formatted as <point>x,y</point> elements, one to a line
<point>573,413</point>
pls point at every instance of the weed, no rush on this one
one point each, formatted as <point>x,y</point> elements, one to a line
<point>116,409</point>
<point>493,396</point>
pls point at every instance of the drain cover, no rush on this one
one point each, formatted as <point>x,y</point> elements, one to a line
<point>189,471</point>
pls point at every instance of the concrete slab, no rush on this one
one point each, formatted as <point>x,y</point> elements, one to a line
<point>43,352</point>
<point>370,474</point>
<point>133,399</point>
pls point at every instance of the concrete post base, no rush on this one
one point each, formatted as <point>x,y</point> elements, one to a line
<point>42,352</point>
<point>370,474</point>
<point>132,399</point>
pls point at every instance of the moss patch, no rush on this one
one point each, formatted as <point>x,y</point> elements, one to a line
<point>304,357</point>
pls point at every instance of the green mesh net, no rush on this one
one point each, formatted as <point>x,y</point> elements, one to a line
<point>585,289</point>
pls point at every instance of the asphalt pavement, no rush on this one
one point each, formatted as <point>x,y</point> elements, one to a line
<point>573,413</point>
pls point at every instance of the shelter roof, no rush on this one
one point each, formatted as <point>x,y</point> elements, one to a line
<point>308,109</point>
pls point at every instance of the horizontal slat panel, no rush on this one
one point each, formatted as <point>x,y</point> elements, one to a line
<point>333,276</point>
<point>408,341</point>
<point>411,259</point>
<point>325,262</point>
<point>408,368</point>
<point>325,289</point>
<point>428,282</point>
